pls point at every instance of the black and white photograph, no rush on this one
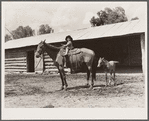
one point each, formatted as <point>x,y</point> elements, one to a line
<point>74,60</point>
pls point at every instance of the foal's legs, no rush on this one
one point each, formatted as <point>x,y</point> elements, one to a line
<point>114,78</point>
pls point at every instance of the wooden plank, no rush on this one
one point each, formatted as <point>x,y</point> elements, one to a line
<point>18,66</point>
<point>15,64</point>
<point>9,62</point>
<point>45,54</point>
<point>50,63</point>
<point>50,67</point>
<point>51,70</point>
<point>15,70</point>
<point>14,55</point>
<point>48,59</point>
<point>15,59</point>
<point>47,64</point>
<point>15,67</point>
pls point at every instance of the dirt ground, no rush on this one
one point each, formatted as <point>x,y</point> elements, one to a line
<point>42,91</point>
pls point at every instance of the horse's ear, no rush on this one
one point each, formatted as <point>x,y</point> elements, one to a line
<point>103,58</point>
<point>44,40</point>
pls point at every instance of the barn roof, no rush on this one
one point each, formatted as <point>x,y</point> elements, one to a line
<point>118,29</point>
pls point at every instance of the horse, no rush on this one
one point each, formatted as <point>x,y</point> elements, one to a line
<point>109,66</point>
<point>88,57</point>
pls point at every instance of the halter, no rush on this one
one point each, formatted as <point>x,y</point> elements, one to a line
<point>42,50</point>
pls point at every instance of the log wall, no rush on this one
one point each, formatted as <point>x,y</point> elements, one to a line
<point>49,64</point>
<point>16,59</point>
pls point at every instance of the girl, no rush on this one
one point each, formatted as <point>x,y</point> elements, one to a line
<point>69,44</point>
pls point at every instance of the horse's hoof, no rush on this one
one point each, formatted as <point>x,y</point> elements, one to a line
<point>87,85</point>
<point>91,87</point>
<point>65,89</point>
<point>61,88</point>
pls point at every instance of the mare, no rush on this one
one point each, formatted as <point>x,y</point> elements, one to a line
<point>87,55</point>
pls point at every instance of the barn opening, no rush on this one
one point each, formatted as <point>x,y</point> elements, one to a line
<point>125,49</point>
<point>30,61</point>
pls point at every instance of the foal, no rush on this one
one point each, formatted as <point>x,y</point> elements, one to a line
<point>108,66</point>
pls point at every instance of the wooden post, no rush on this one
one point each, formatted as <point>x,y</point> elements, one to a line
<point>142,39</point>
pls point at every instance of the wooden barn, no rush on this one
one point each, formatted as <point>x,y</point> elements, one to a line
<point>124,42</point>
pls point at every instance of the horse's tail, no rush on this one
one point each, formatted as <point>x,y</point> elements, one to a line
<point>94,67</point>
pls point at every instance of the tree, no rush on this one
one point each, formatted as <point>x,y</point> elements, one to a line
<point>7,37</point>
<point>28,31</point>
<point>22,32</point>
<point>44,29</point>
<point>96,21</point>
<point>135,18</point>
<point>109,16</point>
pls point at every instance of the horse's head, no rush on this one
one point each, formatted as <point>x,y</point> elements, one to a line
<point>100,62</point>
<point>40,49</point>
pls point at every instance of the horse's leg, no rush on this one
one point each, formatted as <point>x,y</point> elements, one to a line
<point>93,78</point>
<point>93,75</point>
<point>65,82</point>
<point>63,77</point>
<point>94,67</point>
<point>106,79</point>
<point>110,78</point>
<point>88,76</point>
<point>114,78</point>
<point>88,73</point>
<point>62,80</point>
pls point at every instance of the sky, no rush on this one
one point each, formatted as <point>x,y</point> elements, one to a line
<point>62,16</point>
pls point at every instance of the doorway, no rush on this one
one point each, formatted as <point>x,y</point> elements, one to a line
<point>30,61</point>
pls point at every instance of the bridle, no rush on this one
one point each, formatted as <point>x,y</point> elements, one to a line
<point>42,49</point>
<point>41,52</point>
